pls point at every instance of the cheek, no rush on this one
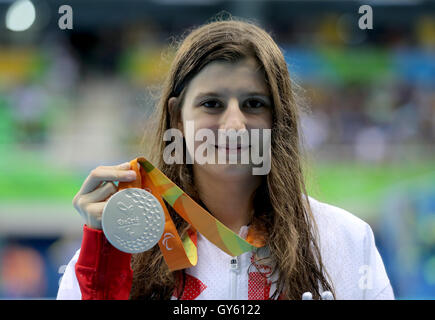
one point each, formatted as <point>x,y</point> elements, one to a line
<point>268,120</point>
<point>263,121</point>
<point>192,123</point>
<point>199,121</point>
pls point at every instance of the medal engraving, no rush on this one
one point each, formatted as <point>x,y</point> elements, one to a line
<point>133,220</point>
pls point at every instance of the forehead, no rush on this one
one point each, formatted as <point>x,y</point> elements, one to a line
<point>230,78</point>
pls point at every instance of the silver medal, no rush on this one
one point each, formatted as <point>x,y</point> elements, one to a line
<point>133,220</point>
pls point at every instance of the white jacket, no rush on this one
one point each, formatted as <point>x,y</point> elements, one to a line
<point>347,247</point>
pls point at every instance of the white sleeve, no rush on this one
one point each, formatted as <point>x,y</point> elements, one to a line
<point>373,278</point>
<point>69,288</point>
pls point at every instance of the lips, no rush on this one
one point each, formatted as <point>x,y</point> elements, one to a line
<point>227,147</point>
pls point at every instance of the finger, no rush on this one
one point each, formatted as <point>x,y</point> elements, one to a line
<point>122,166</point>
<point>95,209</point>
<point>101,193</point>
<point>101,174</point>
<point>95,214</point>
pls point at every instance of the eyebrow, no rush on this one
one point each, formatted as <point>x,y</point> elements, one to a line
<point>215,94</point>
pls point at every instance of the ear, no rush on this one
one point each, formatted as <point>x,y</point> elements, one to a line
<point>175,113</point>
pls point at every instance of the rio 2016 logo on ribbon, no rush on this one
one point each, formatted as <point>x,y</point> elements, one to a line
<point>166,237</point>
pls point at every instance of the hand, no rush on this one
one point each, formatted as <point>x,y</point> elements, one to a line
<point>97,189</point>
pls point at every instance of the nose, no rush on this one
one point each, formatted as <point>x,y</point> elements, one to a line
<point>233,117</point>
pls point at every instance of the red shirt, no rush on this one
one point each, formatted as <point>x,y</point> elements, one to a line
<point>103,272</point>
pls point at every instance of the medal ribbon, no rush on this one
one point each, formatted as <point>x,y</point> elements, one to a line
<point>182,253</point>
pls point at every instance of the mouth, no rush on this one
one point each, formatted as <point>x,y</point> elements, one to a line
<point>229,150</point>
<point>236,148</point>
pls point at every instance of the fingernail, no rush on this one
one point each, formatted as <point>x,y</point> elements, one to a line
<point>131,174</point>
<point>125,165</point>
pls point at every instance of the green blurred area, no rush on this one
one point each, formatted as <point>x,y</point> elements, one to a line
<point>27,176</point>
<point>361,188</point>
<point>356,187</point>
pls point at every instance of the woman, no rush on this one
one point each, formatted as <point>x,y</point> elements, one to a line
<point>231,75</point>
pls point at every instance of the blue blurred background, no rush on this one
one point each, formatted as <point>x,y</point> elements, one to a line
<point>71,100</point>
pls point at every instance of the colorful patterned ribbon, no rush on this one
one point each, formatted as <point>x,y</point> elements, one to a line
<point>182,253</point>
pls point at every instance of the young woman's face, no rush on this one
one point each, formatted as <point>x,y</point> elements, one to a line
<point>225,95</point>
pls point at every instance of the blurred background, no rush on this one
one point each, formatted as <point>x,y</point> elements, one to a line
<point>71,100</point>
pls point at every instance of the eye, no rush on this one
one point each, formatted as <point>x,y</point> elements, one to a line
<point>254,104</point>
<point>211,104</point>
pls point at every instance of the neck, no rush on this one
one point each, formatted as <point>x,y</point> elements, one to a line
<point>229,199</point>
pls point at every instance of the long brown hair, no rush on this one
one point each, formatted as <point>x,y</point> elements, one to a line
<point>281,202</point>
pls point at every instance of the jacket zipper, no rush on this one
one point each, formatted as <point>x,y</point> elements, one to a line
<point>234,263</point>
